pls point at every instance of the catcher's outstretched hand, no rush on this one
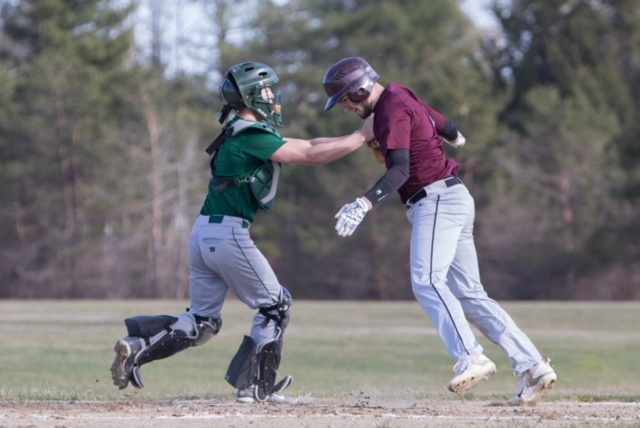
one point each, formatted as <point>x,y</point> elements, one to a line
<point>367,129</point>
<point>350,216</point>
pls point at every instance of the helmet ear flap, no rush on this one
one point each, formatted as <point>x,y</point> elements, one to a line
<point>359,96</point>
<point>230,93</point>
<point>231,96</point>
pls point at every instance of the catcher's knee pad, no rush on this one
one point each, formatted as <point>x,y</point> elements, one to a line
<point>167,335</point>
<point>206,328</point>
<point>280,313</point>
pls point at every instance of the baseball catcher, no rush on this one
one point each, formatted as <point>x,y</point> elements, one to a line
<point>246,159</point>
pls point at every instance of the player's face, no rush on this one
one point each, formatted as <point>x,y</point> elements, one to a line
<point>267,95</point>
<point>362,109</point>
<point>273,101</point>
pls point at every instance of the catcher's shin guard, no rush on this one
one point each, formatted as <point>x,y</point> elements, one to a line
<point>242,371</point>
<point>146,326</point>
<point>165,336</point>
<point>268,363</point>
<point>176,337</point>
<point>258,369</point>
<point>170,343</point>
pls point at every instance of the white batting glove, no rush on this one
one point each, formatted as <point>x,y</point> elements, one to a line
<point>458,142</point>
<point>350,216</point>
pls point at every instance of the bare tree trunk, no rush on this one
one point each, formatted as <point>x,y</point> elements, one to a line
<point>182,220</point>
<point>156,33</point>
<point>73,200</point>
<point>569,225</point>
<point>567,212</point>
<point>157,186</point>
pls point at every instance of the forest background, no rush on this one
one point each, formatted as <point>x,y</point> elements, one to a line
<point>102,138</point>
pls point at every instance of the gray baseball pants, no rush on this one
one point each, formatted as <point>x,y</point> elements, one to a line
<point>223,257</point>
<point>446,279</point>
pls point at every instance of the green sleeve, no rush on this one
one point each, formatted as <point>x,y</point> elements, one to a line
<point>262,146</point>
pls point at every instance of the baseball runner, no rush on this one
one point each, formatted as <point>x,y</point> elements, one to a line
<point>245,168</point>
<point>444,266</point>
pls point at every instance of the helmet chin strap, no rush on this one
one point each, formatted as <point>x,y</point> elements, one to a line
<point>226,109</point>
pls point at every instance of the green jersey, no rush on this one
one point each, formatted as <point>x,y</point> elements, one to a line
<point>238,157</point>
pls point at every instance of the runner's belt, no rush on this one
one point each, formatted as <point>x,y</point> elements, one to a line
<point>451,181</point>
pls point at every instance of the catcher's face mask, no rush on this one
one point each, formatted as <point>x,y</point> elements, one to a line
<point>268,104</point>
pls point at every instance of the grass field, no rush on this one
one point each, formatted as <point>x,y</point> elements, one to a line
<point>359,351</point>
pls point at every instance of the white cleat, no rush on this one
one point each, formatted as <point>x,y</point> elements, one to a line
<point>251,394</point>
<point>533,384</point>
<point>248,396</point>
<point>470,370</point>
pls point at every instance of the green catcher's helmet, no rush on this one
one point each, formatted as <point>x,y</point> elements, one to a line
<point>242,87</point>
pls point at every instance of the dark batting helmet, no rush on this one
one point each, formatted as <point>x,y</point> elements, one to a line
<point>353,77</point>
<point>242,87</point>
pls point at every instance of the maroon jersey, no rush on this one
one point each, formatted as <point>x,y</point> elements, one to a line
<point>402,121</point>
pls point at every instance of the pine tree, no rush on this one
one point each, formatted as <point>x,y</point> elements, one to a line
<point>62,56</point>
<point>429,46</point>
<point>568,69</point>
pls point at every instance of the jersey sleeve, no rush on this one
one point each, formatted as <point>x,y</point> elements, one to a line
<point>443,125</point>
<point>264,145</point>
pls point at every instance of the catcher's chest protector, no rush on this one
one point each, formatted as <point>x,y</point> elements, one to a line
<point>263,181</point>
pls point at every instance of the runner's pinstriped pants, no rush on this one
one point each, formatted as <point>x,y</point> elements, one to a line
<point>446,279</point>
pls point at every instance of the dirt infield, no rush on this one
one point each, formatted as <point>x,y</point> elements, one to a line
<point>314,413</point>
